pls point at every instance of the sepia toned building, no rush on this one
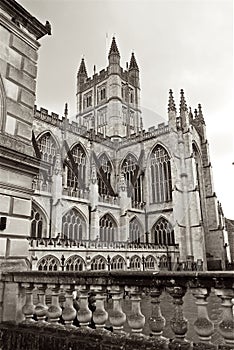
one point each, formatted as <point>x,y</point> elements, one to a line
<point>100,192</point>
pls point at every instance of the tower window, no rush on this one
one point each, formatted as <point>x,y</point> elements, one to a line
<point>161,175</point>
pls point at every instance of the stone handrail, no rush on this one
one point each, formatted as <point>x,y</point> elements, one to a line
<point>26,304</point>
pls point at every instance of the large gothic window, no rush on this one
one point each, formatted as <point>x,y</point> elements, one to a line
<point>48,263</point>
<point>98,263</point>
<point>108,229</point>
<point>135,263</point>
<point>77,158</point>
<point>47,147</point>
<point>38,223</point>
<point>73,225</point>
<point>74,263</point>
<point>130,169</point>
<point>135,231</point>
<point>117,263</point>
<point>150,263</point>
<point>163,233</point>
<point>106,168</point>
<point>161,175</point>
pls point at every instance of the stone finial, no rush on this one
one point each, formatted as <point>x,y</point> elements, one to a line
<point>183,105</point>
<point>48,27</point>
<point>113,49</point>
<point>171,102</point>
<point>66,110</point>
<point>195,113</point>
<point>82,69</point>
<point>133,63</point>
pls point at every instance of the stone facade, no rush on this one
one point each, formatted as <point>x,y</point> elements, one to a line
<point>19,32</point>
<point>108,194</point>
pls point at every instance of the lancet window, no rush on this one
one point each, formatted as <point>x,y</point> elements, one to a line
<point>150,263</point>
<point>108,229</point>
<point>163,233</point>
<point>47,147</point>
<point>48,263</point>
<point>117,263</point>
<point>98,263</point>
<point>135,263</point>
<point>77,160</point>
<point>74,263</point>
<point>135,231</point>
<point>38,223</point>
<point>161,175</point>
<point>73,225</point>
<point>106,169</point>
<point>134,180</point>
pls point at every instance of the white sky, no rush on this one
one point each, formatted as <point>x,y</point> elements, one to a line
<point>177,43</point>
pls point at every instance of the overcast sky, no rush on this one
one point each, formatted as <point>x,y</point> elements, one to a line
<point>177,43</point>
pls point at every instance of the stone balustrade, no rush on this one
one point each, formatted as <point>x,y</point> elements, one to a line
<point>99,318</point>
<point>64,243</point>
<point>78,193</point>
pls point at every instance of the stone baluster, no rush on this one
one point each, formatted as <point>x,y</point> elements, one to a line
<point>84,314</point>
<point>226,326</point>
<point>69,312</point>
<point>156,321</point>
<point>100,315</point>
<point>54,311</point>
<point>136,319</point>
<point>41,307</point>
<point>179,324</point>
<point>116,316</point>
<point>203,325</point>
<point>28,308</point>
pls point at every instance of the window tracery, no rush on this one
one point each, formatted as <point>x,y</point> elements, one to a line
<point>73,225</point>
<point>38,223</point>
<point>163,233</point>
<point>135,231</point>
<point>161,175</point>
<point>108,229</point>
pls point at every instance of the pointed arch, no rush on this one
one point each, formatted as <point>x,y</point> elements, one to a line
<point>117,263</point>
<point>150,263</point>
<point>74,263</point>
<point>136,232</point>
<point>135,263</point>
<point>38,222</point>
<point>162,232</point>
<point>48,263</point>
<point>134,180</point>
<point>161,179</point>
<point>107,168</point>
<point>73,225</point>
<point>48,146</point>
<point>77,157</point>
<point>2,105</point>
<point>107,228</point>
<point>98,262</point>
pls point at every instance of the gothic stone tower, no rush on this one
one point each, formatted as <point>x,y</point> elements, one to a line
<point>117,196</point>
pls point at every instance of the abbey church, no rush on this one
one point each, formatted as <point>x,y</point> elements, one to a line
<point>100,192</point>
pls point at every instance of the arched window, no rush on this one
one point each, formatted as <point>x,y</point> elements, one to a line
<point>74,263</point>
<point>108,229</point>
<point>73,225</point>
<point>135,231</point>
<point>38,223</point>
<point>117,263</point>
<point>160,175</point>
<point>135,263</point>
<point>48,263</point>
<point>2,104</point>
<point>130,169</point>
<point>98,263</point>
<point>77,158</point>
<point>150,263</point>
<point>198,177</point>
<point>163,233</point>
<point>106,168</point>
<point>47,147</point>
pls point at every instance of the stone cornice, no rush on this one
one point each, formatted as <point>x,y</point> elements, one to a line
<point>24,18</point>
